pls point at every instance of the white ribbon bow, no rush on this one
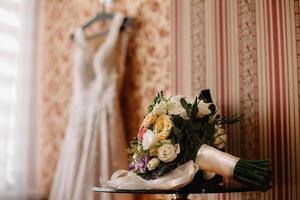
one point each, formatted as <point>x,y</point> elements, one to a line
<point>178,178</point>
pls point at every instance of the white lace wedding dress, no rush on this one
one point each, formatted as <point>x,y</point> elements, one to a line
<point>94,144</point>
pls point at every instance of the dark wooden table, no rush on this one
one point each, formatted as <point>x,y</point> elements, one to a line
<point>181,194</point>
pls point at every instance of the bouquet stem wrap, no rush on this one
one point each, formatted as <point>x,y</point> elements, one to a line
<point>253,173</point>
<point>211,159</point>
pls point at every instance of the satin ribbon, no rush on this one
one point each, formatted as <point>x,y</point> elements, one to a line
<point>178,178</point>
<point>208,159</point>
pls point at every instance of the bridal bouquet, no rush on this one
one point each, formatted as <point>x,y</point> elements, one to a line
<point>178,137</point>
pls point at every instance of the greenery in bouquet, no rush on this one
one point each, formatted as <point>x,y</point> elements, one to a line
<point>172,132</point>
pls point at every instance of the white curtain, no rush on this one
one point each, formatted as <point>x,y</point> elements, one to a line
<point>19,173</point>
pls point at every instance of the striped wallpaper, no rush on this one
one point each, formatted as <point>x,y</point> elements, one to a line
<point>248,53</point>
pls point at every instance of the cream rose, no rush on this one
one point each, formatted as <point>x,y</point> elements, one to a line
<point>162,127</point>
<point>149,120</point>
<point>168,152</point>
<point>161,108</point>
<point>175,107</point>
<point>220,138</point>
<point>153,163</point>
<point>203,109</point>
<point>149,140</point>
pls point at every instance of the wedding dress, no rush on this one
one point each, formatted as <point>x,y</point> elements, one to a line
<point>94,145</point>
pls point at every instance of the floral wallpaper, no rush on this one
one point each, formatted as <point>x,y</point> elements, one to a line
<point>147,69</point>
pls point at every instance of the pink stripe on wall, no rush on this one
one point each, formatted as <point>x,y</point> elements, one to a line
<point>297,36</point>
<point>276,111</point>
<point>283,110</point>
<point>221,55</point>
<point>270,96</point>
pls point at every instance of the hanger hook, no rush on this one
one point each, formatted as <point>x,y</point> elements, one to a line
<point>105,3</point>
<point>102,5</point>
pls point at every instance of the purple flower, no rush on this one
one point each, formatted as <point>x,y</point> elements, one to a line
<point>133,166</point>
<point>143,163</point>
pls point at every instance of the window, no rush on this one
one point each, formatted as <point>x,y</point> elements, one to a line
<point>9,51</point>
<point>18,75</point>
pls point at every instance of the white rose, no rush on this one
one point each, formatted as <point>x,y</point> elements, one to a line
<point>149,139</point>
<point>175,107</point>
<point>153,163</point>
<point>161,108</point>
<point>220,138</point>
<point>168,152</point>
<point>203,109</point>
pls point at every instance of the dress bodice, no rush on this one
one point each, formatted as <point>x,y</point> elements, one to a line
<point>102,68</point>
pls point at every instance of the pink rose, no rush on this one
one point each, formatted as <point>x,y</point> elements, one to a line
<point>141,133</point>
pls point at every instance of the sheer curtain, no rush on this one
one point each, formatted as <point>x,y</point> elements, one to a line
<point>18,103</point>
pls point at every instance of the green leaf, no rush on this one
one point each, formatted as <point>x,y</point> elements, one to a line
<point>212,108</point>
<point>177,120</point>
<point>156,100</point>
<point>184,104</point>
<point>163,170</point>
<point>195,109</point>
<point>173,139</point>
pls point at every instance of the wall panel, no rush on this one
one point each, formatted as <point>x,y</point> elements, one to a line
<point>252,67</point>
